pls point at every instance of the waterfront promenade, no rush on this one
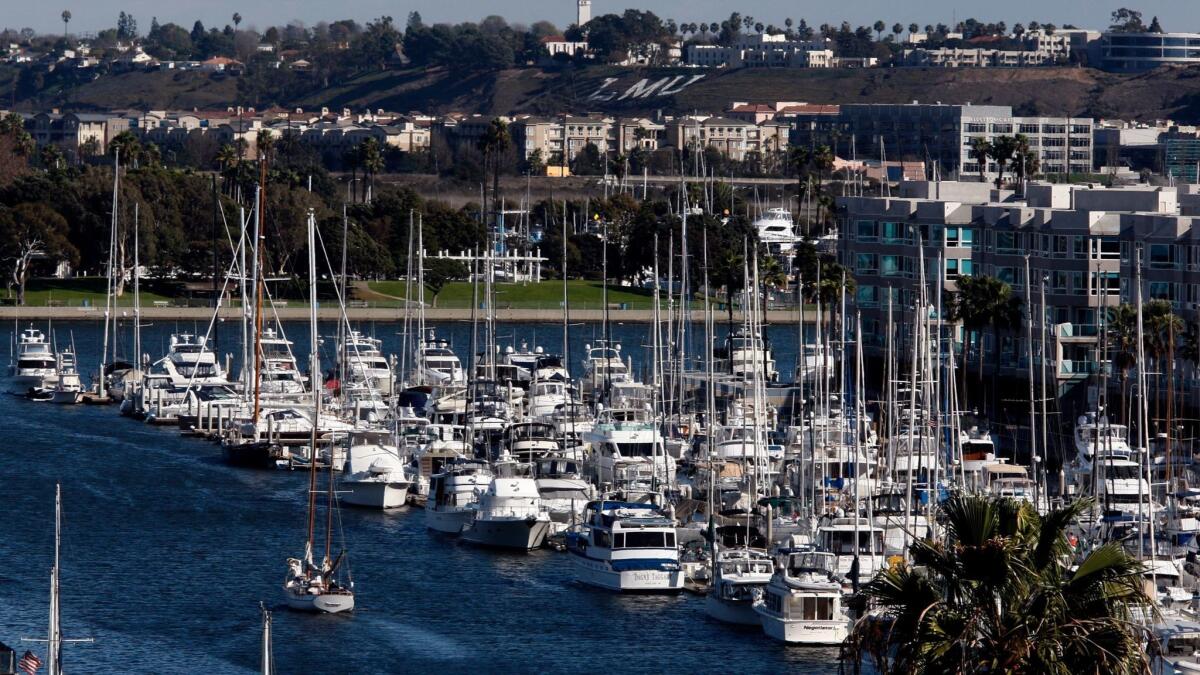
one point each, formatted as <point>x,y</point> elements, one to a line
<point>300,313</point>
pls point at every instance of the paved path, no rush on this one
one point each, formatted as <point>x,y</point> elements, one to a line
<point>372,314</point>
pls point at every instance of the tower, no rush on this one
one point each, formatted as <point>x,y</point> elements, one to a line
<point>584,13</point>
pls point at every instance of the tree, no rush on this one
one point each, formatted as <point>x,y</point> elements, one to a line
<point>66,19</point>
<point>897,30</point>
<point>983,302</point>
<point>1003,149</point>
<point>1001,593</point>
<point>492,144</point>
<point>912,30</point>
<point>237,20</point>
<point>126,27</point>
<point>1025,159</point>
<point>371,160</point>
<point>128,145</point>
<point>30,231</point>
<point>981,150</point>
<point>879,27</point>
<point>1155,26</point>
<point>438,272</point>
<point>1124,20</point>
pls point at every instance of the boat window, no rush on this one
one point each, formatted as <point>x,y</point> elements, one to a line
<point>648,540</point>
<point>602,538</point>
<point>817,609</point>
<point>636,449</point>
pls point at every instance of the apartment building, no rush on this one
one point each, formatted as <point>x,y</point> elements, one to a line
<point>71,132</point>
<point>763,51</point>
<point>942,134</point>
<point>732,137</point>
<point>1139,52</point>
<point>1081,243</point>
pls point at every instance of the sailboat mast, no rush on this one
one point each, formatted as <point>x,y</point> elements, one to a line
<point>54,638</point>
<point>315,381</point>
<point>259,272</point>
<point>101,390</point>
<point>137,295</point>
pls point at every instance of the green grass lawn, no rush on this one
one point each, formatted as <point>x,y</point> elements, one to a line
<point>544,295</point>
<point>74,293</point>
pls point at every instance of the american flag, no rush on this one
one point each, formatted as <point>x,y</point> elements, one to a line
<point>30,663</point>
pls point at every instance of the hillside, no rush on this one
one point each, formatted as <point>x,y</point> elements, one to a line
<point>1165,93</point>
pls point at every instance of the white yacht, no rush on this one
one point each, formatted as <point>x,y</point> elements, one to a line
<point>839,535</point>
<point>35,365</point>
<point>628,447</point>
<point>190,362</point>
<point>777,230</point>
<point>602,367</point>
<point>280,373</point>
<point>373,474</point>
<point>365,363</point>
<point>69,388</point>
<point>527,441</point>
<point>452,494</point>
<point>815,363</point>
<point>545,396</point>
<point>625,546</point>
<point>740,575</point>
<point>803,601</point>
<point>509,515</point>
<point>744,355</point>
<point>436,365</point>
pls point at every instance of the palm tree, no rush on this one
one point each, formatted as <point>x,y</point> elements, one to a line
<point>227,158</point>
<point>1122,344</point>
<point>237,20</point>
<point>912,28</point>
<point>50,157</point>
<point>1001,594</point>
<point>897,29</point>
<point>879,27</point>
<point>981,150</point>
<point>1003,150</point>
<point>264,142</point>
<point>493,143</point>
<point>129,145</point>
<point>983,302</point>
<point>66,19</point>
<point>772,276</point>
<point>371,160</point>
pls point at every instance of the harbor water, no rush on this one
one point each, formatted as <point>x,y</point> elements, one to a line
<point>167,553</point>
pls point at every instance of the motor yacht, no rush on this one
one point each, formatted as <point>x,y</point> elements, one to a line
<point>509,514</point>
<point>364,363</point>
<point>626,546</point>
<point>373,474</point>
<point>740,576</point>
<point>35,367</point>
<point>803,601</point>
<point>69,388</point>
<point>452,494</point>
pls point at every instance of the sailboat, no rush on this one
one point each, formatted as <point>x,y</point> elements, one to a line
<point>54,639</point>
<point>311,586</point>
<point>268,658</point>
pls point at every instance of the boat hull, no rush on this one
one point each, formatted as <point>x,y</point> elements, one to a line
<point>22,384</point>
<point>599,573</point>
<point>514,533</point>
<point>375,495</point>
<point>326,603</point>
<point>252,455</point>
<point>740,613</point>
<point>450,522</point>
<point>67,397</point>
<point>802,632</point>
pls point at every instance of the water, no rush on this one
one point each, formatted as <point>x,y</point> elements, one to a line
<point>167,553</point>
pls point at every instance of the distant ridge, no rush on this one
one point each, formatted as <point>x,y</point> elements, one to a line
<point>1165,93</point>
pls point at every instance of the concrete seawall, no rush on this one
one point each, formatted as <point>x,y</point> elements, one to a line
<point>375,314</point>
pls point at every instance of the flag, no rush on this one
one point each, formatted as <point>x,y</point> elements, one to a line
<point>30,663</point>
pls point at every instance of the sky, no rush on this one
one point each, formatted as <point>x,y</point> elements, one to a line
<point>94,15</point>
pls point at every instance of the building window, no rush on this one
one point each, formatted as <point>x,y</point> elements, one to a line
<point>1162,256</point>
<point>951,268</point>
<point>867,296</point>
<point>976,128</point>
<point>868,230</point>
<point>866,263</point>
<point>894,233</point>
<point>966,267</point>
<point>1006,243</point>
<point>891,266</point>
